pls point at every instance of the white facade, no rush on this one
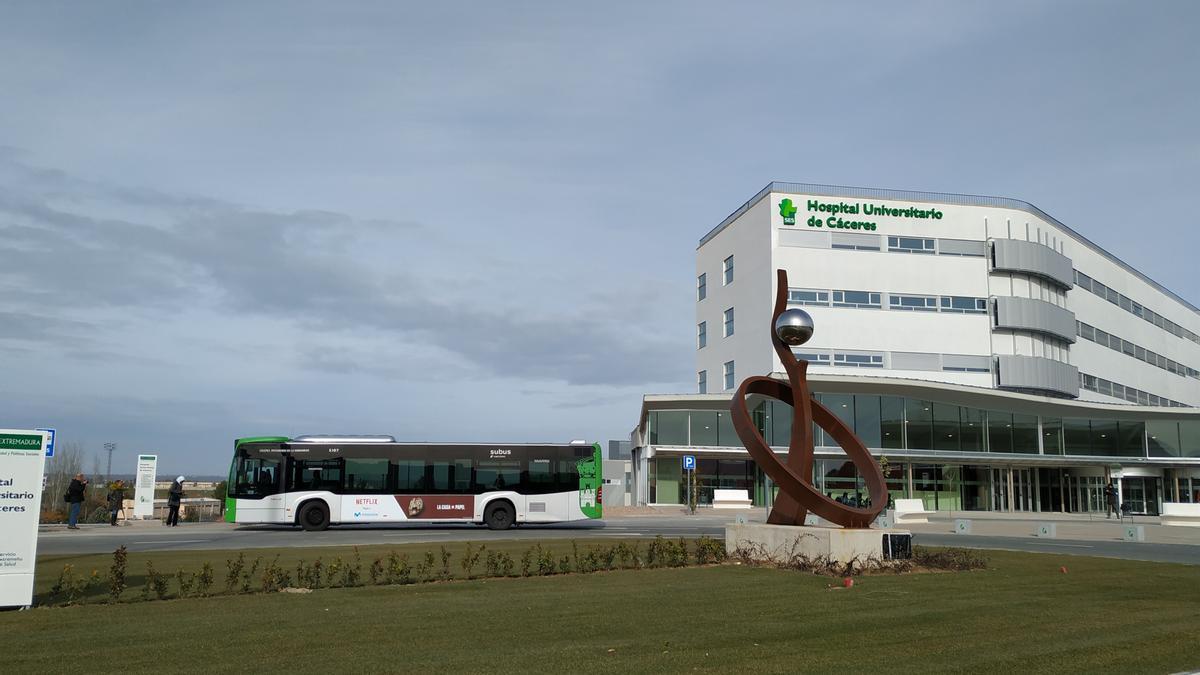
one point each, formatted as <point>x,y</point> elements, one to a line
<point>959,261</point>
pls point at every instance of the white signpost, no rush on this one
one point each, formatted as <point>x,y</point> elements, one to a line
<point>143,493</point>
<point>22,461</point>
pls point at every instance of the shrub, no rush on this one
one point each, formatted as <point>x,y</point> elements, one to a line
<point>204,581</point>
<point>233,571</point>
<point>72,586</point>
<point>956,559</point>
<point>709,550</point>
<point>332,570</point>
<point>274,577</point>
<point>425,567</point>
<point>248,577</point>
<point>445,573</point>
<point>398,569</point>
<point>155,583</point>
<point>506,564</point>
<point>185,580</point>
<point>116,574</point>
<point>470,559</point>
<point>564,565</point>
<point>545,561</point>
<point>527,562</point>
<point>376,572</point>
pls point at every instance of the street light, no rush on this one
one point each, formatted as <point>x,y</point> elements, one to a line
<point>109,447</point>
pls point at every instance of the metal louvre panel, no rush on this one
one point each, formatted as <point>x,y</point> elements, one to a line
<point>1034,315</point>
<point>966,361</point>
<point>1031,257</point>
<point>962,247</point>
<point>856,240</point>
<point>916,361</point>
<point>1037,373</point>
<point>804,238</point>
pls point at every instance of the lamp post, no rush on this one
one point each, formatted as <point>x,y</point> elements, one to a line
<point>109,447</point>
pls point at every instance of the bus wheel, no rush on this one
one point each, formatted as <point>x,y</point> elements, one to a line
<point>499,516</point>
<point>314,516</point>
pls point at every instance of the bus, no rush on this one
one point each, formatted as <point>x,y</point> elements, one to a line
<point>317,481</point>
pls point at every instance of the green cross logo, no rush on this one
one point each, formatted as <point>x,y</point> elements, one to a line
<point>788,210</point>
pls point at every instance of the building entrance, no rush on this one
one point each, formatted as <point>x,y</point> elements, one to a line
<point>1140,494</point>
<point>1021,493</point>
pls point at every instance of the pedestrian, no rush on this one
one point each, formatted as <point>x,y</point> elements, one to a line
<point>174,497</point>
<point>116,501</point>
<point>1110,496</point>
<point>74,497</point>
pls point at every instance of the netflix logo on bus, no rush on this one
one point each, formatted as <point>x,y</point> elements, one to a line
<point>437,506</point>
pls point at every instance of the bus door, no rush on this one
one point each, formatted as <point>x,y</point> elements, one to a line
<point>546,500</point>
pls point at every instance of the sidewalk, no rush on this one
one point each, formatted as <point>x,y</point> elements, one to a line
<point>1071,526</point>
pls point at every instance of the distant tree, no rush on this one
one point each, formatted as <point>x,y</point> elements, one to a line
<point>218,492</point>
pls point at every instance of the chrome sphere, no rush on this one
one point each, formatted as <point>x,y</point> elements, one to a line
<point>794,327</point>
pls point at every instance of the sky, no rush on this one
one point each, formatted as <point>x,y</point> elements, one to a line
<point>467,221</point>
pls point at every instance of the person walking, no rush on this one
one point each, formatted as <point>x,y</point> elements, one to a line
<point>116,501</point>
<point>74,498</point>
<point>174,497</point>
<point>1110,496</point>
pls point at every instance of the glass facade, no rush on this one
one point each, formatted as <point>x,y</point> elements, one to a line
<point>898,423</point>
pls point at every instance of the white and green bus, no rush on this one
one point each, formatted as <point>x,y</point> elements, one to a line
<point>317,481</point>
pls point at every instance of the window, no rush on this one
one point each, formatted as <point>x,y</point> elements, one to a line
<point>729,322</point>
<point>701,334</point>
<point>702,382</point>
<point>858,360</point>
<point>256,477</point>
<point>410,475</point>
<point>864,299</point>
<point>728,375</point>
<point>497,474</point>
<point>910,245</point>
<point>728,270</point>
<point>964,305</point>
<point>913,303</point>
<point>316,475</point>
<point>701,287</point>
<point>815,358</point>
<point>366,475</point>
<point>804,296</point>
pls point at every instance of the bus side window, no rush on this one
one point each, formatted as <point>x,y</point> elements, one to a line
<point>541,477</point>
<point>410,475</point>
<point>568,475</point>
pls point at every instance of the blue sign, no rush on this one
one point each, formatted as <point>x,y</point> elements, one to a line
<point>689,462</point>
<point>49,441</point>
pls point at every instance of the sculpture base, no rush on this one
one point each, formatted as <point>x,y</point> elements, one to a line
<point>780,543</point>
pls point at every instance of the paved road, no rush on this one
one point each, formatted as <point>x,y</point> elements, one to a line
<point>104,539</point>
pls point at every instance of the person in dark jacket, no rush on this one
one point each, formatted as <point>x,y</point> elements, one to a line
<point>116,501</point>
<point>1110,496</point>
<point>75,499</point>
<point>174,497</point>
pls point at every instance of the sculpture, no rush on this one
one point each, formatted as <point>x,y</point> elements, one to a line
<point>797,495</point>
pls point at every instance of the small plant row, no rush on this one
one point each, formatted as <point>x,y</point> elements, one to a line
<point>268,576</point>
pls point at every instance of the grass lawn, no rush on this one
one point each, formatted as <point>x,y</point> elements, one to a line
<point>1020,615</point>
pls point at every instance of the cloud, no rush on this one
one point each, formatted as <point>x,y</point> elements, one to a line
<point>315,271</point>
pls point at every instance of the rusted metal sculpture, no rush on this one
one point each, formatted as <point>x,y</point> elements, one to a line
<point>797,495</point>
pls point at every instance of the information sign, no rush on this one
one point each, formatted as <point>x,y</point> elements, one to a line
<point>22,462</point>
<point>143,493</point>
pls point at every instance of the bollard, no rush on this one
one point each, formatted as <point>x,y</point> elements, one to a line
<point>1046,530</point>
<point>1135,533</point>
<point>962,526</point>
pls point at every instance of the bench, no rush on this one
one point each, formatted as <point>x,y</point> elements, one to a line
<point>1176,513</point>
<point>730,499</point>
<point>911,511</point>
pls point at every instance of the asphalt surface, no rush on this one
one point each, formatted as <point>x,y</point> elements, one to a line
<point>221,536</point>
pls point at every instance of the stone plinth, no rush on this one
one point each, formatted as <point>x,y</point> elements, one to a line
<point>783,542</point>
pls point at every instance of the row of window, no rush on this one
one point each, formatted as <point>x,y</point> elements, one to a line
<point>702,379</point>
<point>726,279</point>
<point>819,297</point>
<point>702,329</point>
<point>1128,348</point>
<point>1124,302</point>
<point>1108,388</point>
<point>893,422</point>
<point>859,241</point>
